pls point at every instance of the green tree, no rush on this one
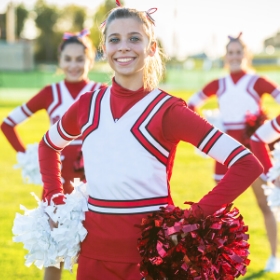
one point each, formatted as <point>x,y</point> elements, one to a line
<point>22,15</point>
<point>72,18</point>
<point>98,18</point>
<point>48,40</point>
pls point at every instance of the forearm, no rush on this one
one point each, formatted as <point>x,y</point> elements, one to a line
<point>238,178</point>
<point>13,137</point>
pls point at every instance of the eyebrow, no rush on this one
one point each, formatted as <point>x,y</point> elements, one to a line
<point>80,56</point>
<point>130,33</point>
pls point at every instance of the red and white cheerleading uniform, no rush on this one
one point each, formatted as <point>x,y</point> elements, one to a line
<point>55,99</point>
<point>266,134</point>
<point>129,144</point>
<point>238,94</point>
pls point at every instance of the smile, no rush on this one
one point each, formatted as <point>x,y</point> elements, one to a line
<point>126,59</point>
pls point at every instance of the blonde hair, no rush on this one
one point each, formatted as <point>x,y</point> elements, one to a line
<point>246,52</point>
<point>153,69</point>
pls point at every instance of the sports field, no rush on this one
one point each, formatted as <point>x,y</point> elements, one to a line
<point>192,175</point>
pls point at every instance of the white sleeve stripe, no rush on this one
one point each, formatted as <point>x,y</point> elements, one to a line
<point>17,116</point>
<point>9,122</point>
<point>268,133</point>
<point>26,110</point>
<point>64,133</point>
<point>55,139</point>
<point>275,125</point>
<point>207,138</point>
<point>47,142</point>
<point>223,148</point>
<point>255,138</point>
<point>275,93</point>
<point>238,156</point>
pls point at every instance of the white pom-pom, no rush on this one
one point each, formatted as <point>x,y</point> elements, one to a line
<point>273,198</point>
<point>271,191</point>
<point>29,164</point>
<point>48,247</point>
<point>214,117</point>
<point>274,171</point>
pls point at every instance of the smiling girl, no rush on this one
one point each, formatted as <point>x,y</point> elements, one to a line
<point>130,132</point>
<point>76,57</point>
<point>240,96</point>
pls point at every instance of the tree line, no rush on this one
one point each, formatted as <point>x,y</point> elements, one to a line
<point>52,21</point>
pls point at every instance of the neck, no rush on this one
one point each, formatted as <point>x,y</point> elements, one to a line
<point>129,83</point>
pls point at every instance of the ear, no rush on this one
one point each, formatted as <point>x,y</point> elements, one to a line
<point>104,51</point>
<point>153,48</point>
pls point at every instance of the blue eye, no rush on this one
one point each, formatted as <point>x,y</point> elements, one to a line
<point>113,40</point>
<point>134,39</point>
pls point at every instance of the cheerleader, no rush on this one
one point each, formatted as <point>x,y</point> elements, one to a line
<point>130,132</point>
<point>76,57</point>
<point>268,133</point>
<point>240,104</point>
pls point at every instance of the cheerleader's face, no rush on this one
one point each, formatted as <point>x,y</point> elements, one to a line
<point>235,58</point>
<point>74,62</point>
<point>127,47</point>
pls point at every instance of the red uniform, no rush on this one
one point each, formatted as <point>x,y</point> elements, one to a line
<point>266,134</point>
<point>129,144</point>
<point>55,99</point>
<point>238,94</point>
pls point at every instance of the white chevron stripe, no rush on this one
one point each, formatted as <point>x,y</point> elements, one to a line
<point>92,109</point>
<point>146,133</point>
<point>55,98</point>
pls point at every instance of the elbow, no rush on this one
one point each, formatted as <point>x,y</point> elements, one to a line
<point>257,166</point>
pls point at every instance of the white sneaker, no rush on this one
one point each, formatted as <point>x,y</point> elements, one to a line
<point>272,265</point>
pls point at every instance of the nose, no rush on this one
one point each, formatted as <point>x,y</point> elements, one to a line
<point>123,46</point>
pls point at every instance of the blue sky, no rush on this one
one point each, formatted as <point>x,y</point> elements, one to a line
<point>200,25</point>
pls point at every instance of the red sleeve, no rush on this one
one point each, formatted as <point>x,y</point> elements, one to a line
<point>263,85</point>
<point>40,101</point>
<point>198,99</point>
<point>13,137</point>
<point>193,129</point>
<point>262,152</point>
<point>49,158</point>
<point>211,88</point>
<point>260,140</point>
<point>238,178</point>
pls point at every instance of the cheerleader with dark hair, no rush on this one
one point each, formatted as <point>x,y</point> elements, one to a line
<point>76,58</point>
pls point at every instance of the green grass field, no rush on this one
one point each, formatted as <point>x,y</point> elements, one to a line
<point>192,178</point>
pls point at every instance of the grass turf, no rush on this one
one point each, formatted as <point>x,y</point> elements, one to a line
<point>192,178</point>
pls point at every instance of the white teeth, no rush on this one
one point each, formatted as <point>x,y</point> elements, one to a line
<point>124,59</point>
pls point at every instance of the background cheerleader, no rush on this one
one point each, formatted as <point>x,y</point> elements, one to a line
<point>240,103</point>
<point>76,57</point>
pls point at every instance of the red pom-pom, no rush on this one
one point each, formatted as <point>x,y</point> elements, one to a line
<point>252,123</point>
<point>177,244</point>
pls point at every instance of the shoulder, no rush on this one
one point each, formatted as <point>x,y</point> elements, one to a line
<point>90,94</point>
